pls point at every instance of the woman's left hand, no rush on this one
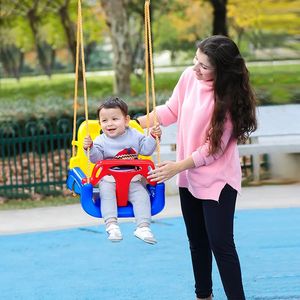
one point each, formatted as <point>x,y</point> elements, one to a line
<point>164,171</point>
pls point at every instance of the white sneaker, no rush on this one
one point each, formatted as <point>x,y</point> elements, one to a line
<point>114,233</point>
<point>145,234</point>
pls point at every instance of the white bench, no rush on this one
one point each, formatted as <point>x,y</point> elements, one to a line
<point>168,143</point>
<point>278,134</point>
<point>256,150</point>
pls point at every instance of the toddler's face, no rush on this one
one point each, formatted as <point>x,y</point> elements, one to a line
<point>112,121</point>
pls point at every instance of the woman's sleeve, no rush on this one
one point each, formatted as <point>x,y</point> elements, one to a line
<point>201,156</point>
<point>168,113</point>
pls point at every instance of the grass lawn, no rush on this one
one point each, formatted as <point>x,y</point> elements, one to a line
<point>47,201</point>
<point>39,96</point>
<point>280,82</point>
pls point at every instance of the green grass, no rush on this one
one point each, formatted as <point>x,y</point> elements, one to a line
<point>59,86</point>
<point>40,96</point>
<point>45,202</point>
<point>280,82</point>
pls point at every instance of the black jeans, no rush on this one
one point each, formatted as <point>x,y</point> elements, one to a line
<point>209,226</point>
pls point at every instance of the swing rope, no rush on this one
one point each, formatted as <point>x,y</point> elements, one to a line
<point>80,49</point>
<point>75,102</point>
<point>149,60</point>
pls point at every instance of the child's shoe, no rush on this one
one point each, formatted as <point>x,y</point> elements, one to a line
<point>145,234</point>
<point>114,233</point>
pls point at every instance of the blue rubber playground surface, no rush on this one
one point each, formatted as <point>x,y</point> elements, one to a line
<point>82,264</point>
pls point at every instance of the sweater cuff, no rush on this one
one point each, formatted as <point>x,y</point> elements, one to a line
<point>198,159</point>
<point>154,136</point>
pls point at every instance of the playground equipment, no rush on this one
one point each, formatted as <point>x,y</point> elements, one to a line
<point>83,182</point>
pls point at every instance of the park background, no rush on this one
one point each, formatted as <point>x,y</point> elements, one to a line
<point>38,49</point>
<point>62,253</point>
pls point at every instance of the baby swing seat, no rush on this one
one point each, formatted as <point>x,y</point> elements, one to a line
<point>87,189</point>
<point>78,179</point>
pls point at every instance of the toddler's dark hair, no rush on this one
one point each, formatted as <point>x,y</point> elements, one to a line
<point>114,102</point>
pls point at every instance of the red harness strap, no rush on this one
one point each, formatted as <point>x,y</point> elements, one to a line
<point>122,177</point>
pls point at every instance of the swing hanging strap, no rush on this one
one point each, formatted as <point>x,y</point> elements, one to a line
<point>80,50</point>
<point>149,60</point>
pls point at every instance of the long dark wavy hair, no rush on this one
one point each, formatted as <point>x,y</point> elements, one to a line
<point>232,91</point>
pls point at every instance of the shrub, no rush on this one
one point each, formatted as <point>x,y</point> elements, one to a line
<point>295,96</point>
<point>264,97</point>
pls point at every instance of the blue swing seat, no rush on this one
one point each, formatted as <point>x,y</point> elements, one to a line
<point>89,194</point>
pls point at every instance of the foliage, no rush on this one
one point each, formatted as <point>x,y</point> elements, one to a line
<point>187,22</point>
<point>177,24</point>
<point>295,96</point>
<point>261,19</point>
<point>45,26</point>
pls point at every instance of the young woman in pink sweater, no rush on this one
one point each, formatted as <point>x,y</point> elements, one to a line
<point>214,108</point>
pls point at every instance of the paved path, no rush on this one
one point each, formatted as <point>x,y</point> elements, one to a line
<point>71,216</point>
<point>81,264</point>
<point>77,262</point>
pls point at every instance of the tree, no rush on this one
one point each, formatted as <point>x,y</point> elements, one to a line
<point>33,13</point>
<point>93,23</point>
<point>179,29</point>
<point>125,20</point>
<point>13,40</point>
<point>135,11</point>
<point>264,19</point>
<point>220,17</point>
<point>11,56</point>
<point>117,21</point>
<point>68,26</point>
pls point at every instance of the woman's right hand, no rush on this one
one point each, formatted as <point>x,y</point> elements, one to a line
<point>164,171</point>
<point>167,169</point>
<point>87,142</point>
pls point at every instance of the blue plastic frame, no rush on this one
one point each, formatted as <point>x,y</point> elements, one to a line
<point>93,206</point>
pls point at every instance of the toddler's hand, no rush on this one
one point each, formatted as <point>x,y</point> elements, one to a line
<point>156,131</point>
<point>87,142</point>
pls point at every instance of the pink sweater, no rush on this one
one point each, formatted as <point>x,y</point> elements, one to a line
<point>191,106</point>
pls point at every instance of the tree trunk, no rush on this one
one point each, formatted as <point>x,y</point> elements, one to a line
<point>117,21</point>
<point>11,58</point>
<point>15,57</point>
<point>220,17</point>
<point>52,58</point>
<point>5,59</point>
<point>21,62</point>
<point>89,48</point>
<point>69,29</point>
<point>33,20</point>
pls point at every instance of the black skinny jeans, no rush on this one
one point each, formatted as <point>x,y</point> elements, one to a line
<point>209,226</point>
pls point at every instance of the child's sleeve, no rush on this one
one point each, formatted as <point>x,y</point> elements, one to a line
<point>147,144</point>
<point>97,150</point>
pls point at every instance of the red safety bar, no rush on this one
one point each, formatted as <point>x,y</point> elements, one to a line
<point>122,177</point>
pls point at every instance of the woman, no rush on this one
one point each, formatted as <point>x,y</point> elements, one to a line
<point>214,108</point>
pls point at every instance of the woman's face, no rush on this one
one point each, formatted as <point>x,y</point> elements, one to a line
<point>202,67</point>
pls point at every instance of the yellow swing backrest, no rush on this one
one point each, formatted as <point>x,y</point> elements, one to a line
<point>80,159</point>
